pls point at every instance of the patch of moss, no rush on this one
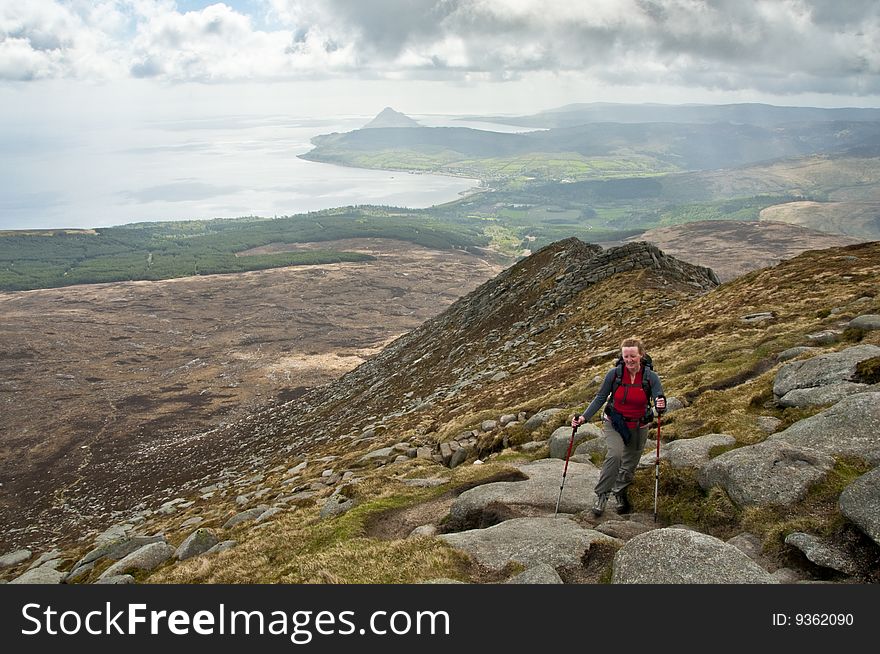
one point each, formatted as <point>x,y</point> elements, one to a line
<point>682,500</point>
<point>854,334</point>
<point>868,371</point>
<point>817,513</point>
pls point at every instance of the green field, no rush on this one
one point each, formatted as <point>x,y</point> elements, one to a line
<point>153,251</point>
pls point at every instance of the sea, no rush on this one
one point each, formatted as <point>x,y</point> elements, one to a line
<point>116,173</point>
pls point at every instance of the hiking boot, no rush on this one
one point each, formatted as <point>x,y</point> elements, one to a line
<point>599,506</point>
<point>623,504</point>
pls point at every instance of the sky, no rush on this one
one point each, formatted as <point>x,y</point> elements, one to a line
<point>105,103</point>
<point>467,56</point>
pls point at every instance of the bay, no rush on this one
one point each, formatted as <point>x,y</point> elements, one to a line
<point>112,172</point>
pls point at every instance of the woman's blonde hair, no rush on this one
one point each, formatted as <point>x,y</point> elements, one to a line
<point>632,341</point>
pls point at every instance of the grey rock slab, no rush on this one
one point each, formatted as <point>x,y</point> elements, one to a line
<point>222,546</point>
<point>688,452</point>
<point>539,419</point>
<point>336,505</point>
<point>14,558</point>
<point>785,576</point>
<point>822,395</point>
<point>540,490</point>
<point>47,557</point>
<point>768,424</point>
<point>458,457</point>
<point>198,542</point>
<point>749,544</point>
<point>822,553</point>
<point>822,370</point>
<point>269,513</point>
<point>539,574</point>
<point>622,529</point>
<point>42,575</point>
<point>849,428</point>
<point>681,556</point>
<point>116,580</point>
<point>118,549</point>
<point>114,533</point>
<point>423,530</point>
<point>793,352</point>
<point>149,557</point>
<point>868,321</point>
<point>562,436</point>
<point>245,516</point>
<point>558,542</point>
<point>825,337</point>
<point>591,446</point>
<point>860,503</point>
<point>79,573</point>
<point>380,455</point>
<point>768,473</point>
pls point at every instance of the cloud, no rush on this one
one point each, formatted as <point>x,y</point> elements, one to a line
<point>784,46</point>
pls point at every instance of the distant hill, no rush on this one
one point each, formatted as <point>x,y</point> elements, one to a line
<point>733,248</point>
<point>655,147</point>
<point>390,118</point>
<point>760,115</point>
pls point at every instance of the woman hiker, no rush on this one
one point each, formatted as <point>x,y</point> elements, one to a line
<point>631,383</point>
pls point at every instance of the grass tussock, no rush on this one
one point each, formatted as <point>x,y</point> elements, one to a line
<point>681,500</point>
<point>817,513</point>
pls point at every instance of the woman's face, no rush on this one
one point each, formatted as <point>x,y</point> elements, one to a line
<point>631,358</point>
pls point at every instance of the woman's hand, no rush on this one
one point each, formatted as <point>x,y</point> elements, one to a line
<point>577,421</point>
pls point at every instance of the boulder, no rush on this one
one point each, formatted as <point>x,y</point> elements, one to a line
<point>561,437</point>
<point>849,428</point>
<point>41,575</point>
<point>860,503</point>
<point>336,505</point>
<point>688,452</point>
<point>835,369</point>
<point>14,558</point>
<point>149,557</point>
<point>542,573</point>
<point>793,352</point>
<point>767,473</point>
<point>539,419</point>
<point>681,556</point>
<point>198,542</point>
<point>823,553</point>
<point>222,546</point>
<point>558,542</point>
<point>868,322</point>
<point>589,447</point>
<point>116,580</point>
<point>117,549</point>
<point>539,492</point>
<point>245,516</point>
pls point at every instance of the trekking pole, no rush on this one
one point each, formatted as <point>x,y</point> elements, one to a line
<point>657,469</point>
<point>565,469</point>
